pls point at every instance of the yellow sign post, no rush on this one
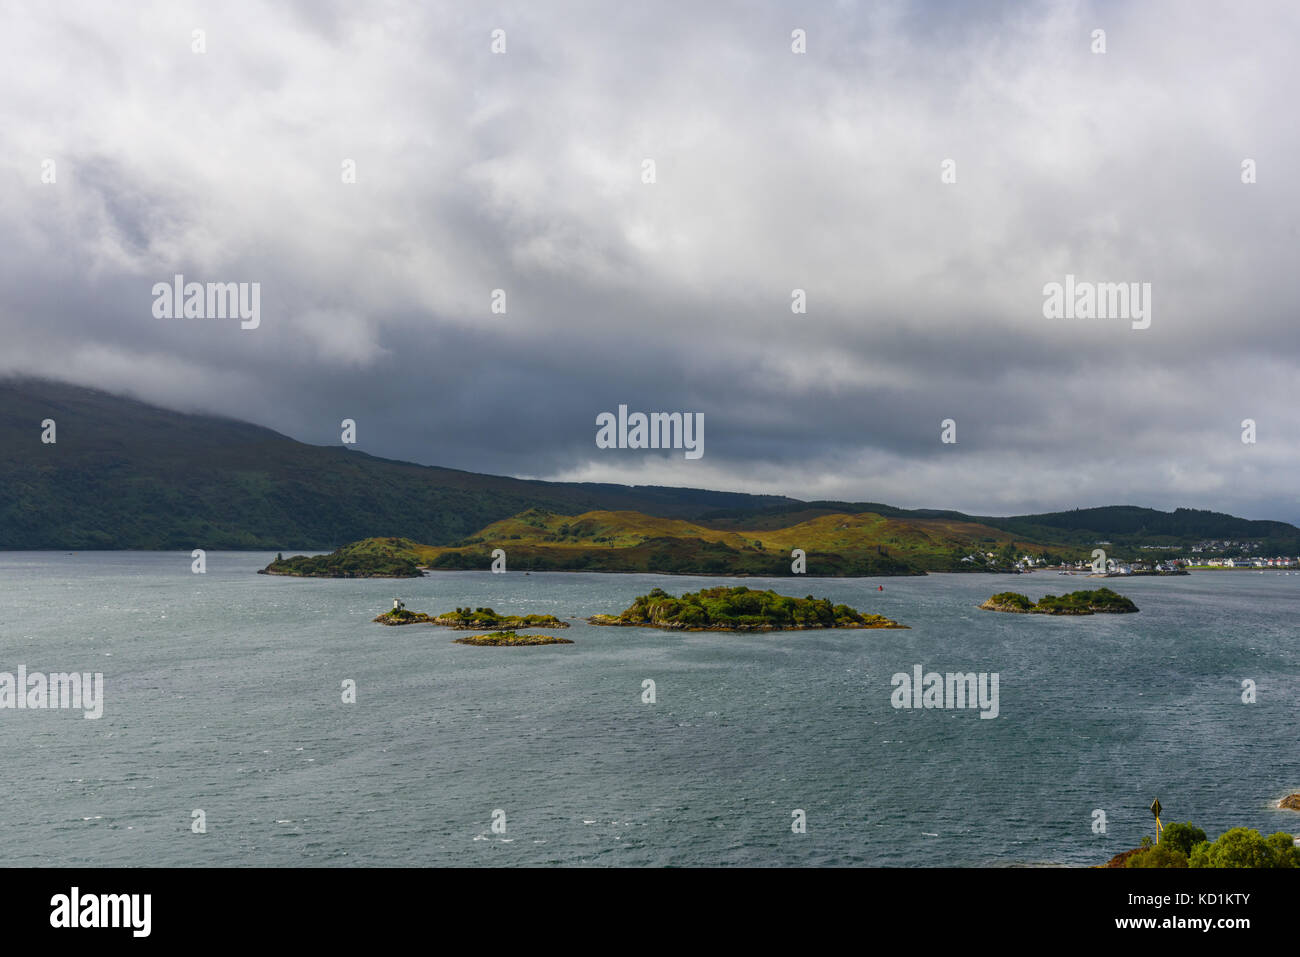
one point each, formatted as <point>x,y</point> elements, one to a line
<point>1155,809</point>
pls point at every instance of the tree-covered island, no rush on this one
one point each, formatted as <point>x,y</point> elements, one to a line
<point>470,619</point>
<point>371,558</point>
<point>1096,601</point>
<point>740,609</point>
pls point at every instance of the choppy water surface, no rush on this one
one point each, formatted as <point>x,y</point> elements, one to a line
<point>223,693</point>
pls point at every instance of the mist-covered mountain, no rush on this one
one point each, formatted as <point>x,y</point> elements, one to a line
<point>124,474</point>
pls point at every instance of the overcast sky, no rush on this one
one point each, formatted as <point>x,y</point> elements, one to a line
<point>774,170</point>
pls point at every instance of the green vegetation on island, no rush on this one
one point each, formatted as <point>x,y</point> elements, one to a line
<point>469,619</point>
<point>1185,845</point>
<point>1096,601</point>
<point>403,616</point>
<point>511,639</point>
<point>371,558</point>
<point>466,619</point>
<point>740,609</point>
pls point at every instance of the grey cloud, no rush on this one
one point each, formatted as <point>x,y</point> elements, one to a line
<point>775,171</point>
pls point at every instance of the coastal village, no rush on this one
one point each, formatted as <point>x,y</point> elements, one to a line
<point>1172,566</point>
<point>1202,557</point>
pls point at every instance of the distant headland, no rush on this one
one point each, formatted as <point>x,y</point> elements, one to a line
<point>835,545</point>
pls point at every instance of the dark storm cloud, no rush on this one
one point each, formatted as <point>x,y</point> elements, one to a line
<point>775,171</point>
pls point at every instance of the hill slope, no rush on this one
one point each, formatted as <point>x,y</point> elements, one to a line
<point>124,474</point>
<point>834,544</point>
<point>1120,525</point>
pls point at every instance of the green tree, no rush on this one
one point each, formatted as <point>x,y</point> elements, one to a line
<point>1181,837</point>
<point>1246,847</point>
<point>1284,849</point>
<point>1161,855</point>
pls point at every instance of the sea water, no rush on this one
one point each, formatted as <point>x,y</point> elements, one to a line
<point>223,694</point>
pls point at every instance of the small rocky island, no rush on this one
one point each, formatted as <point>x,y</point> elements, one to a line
<point>512,640</point>
<point>466,619</point>
<point>1290,802</point>
<point>739,609</point>
<point>401,615</point>
<point>1097,601</point>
